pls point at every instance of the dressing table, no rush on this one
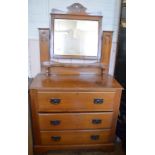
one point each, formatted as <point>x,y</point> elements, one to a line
<point>74,102</point>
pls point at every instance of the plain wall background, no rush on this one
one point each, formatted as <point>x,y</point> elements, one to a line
<point>39,15</point>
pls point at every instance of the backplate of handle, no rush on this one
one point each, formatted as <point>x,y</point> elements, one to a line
<point>98,101</point>
<point>96,121</point>
<point>55,122</point>
<point>56,138</point>
<point>55,101</point>
<point>95,137</point>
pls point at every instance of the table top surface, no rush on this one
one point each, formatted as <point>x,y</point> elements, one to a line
<point>75,83</point>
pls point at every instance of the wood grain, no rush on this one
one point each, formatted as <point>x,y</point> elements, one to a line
<point>106,49</point>
<point>75,101</point>
<point>30,141</point>
<point>75,71</point>
<point>34,117</point>
<point>75,137</point>
<point>75,121</point>
<point>76,83</point>
<point>116,111</point>
<point>75,16</point>
<point>67,96</point>
<point>57,68</point>
<point>44,44</point>
<point>46,148</point>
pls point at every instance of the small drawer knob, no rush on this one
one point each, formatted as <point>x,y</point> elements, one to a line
<point>55,101</point>
<point>98,101</point>
<point>55,122</point>
<point>56,138</point>
<point>95,137</point>
<point>96,121</point>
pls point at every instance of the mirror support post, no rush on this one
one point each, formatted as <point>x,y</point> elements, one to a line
<point>106,50</point>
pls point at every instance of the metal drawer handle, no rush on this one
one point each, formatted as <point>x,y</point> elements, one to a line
<point>98,101</point>
<point>56,138</point>
<point>95,137</point>
<point>55,101</point>
<point>55,122</point>
<point>96,121</point>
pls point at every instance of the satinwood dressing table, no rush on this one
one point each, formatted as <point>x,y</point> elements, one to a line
<point>74,102</point>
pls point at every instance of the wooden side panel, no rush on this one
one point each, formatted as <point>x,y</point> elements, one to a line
<point>34,117</point>
<point>106,49</point>
<point>30,142</point>
<point>44,44</point>
<point>115,113</point>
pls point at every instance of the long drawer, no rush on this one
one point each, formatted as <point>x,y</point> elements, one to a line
<point>75,137</point>
<point>62,121</point>
<point>75,101</point>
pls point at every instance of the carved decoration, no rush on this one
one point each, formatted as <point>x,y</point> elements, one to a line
<point>44,36</point>
<point>77,8</point>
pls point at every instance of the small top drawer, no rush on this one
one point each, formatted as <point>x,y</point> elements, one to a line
<point>75,101</point>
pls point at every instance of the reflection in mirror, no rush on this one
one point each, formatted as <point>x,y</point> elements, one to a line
<point>75,37</point>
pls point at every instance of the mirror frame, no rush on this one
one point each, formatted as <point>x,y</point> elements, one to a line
<point>75,16</point>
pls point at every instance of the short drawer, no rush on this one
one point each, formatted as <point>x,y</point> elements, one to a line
<point>72,101</point>
<point>75,137</point>
<point>62,121</point>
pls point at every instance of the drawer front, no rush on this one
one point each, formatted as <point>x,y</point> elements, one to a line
<point>72,101</point>
<point>75,121</point>
<point>75,137</point>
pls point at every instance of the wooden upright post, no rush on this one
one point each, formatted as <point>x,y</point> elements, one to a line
<point>44,45</point>
<point>106,49</point>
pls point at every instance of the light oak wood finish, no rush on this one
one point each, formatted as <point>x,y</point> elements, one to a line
<point>99,147</point>
<point>84,89</point>
<point>55,68</point>
<point>60,68</point>
<point>75,137</point>
<point>74,70</point>
<point>117,151</point>
<point>80,83</point>
<point>103,67</point>
<point>106,49</point>
<point>44,44</point>
<point>30,141</point>
<point>64,121</point>
<point>30,138</point>
<point>70,97</point>
<point>79,101</point>
<point>35,121</point>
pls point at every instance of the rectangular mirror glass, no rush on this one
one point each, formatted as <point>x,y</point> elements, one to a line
<point>76,37</point>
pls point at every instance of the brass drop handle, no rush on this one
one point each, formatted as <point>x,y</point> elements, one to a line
<point>98,101</point>
<point>95,137</point>
<point>55,101</point>
<point>56,138</point>
<point>55,122</point>
<point>96,121</point>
